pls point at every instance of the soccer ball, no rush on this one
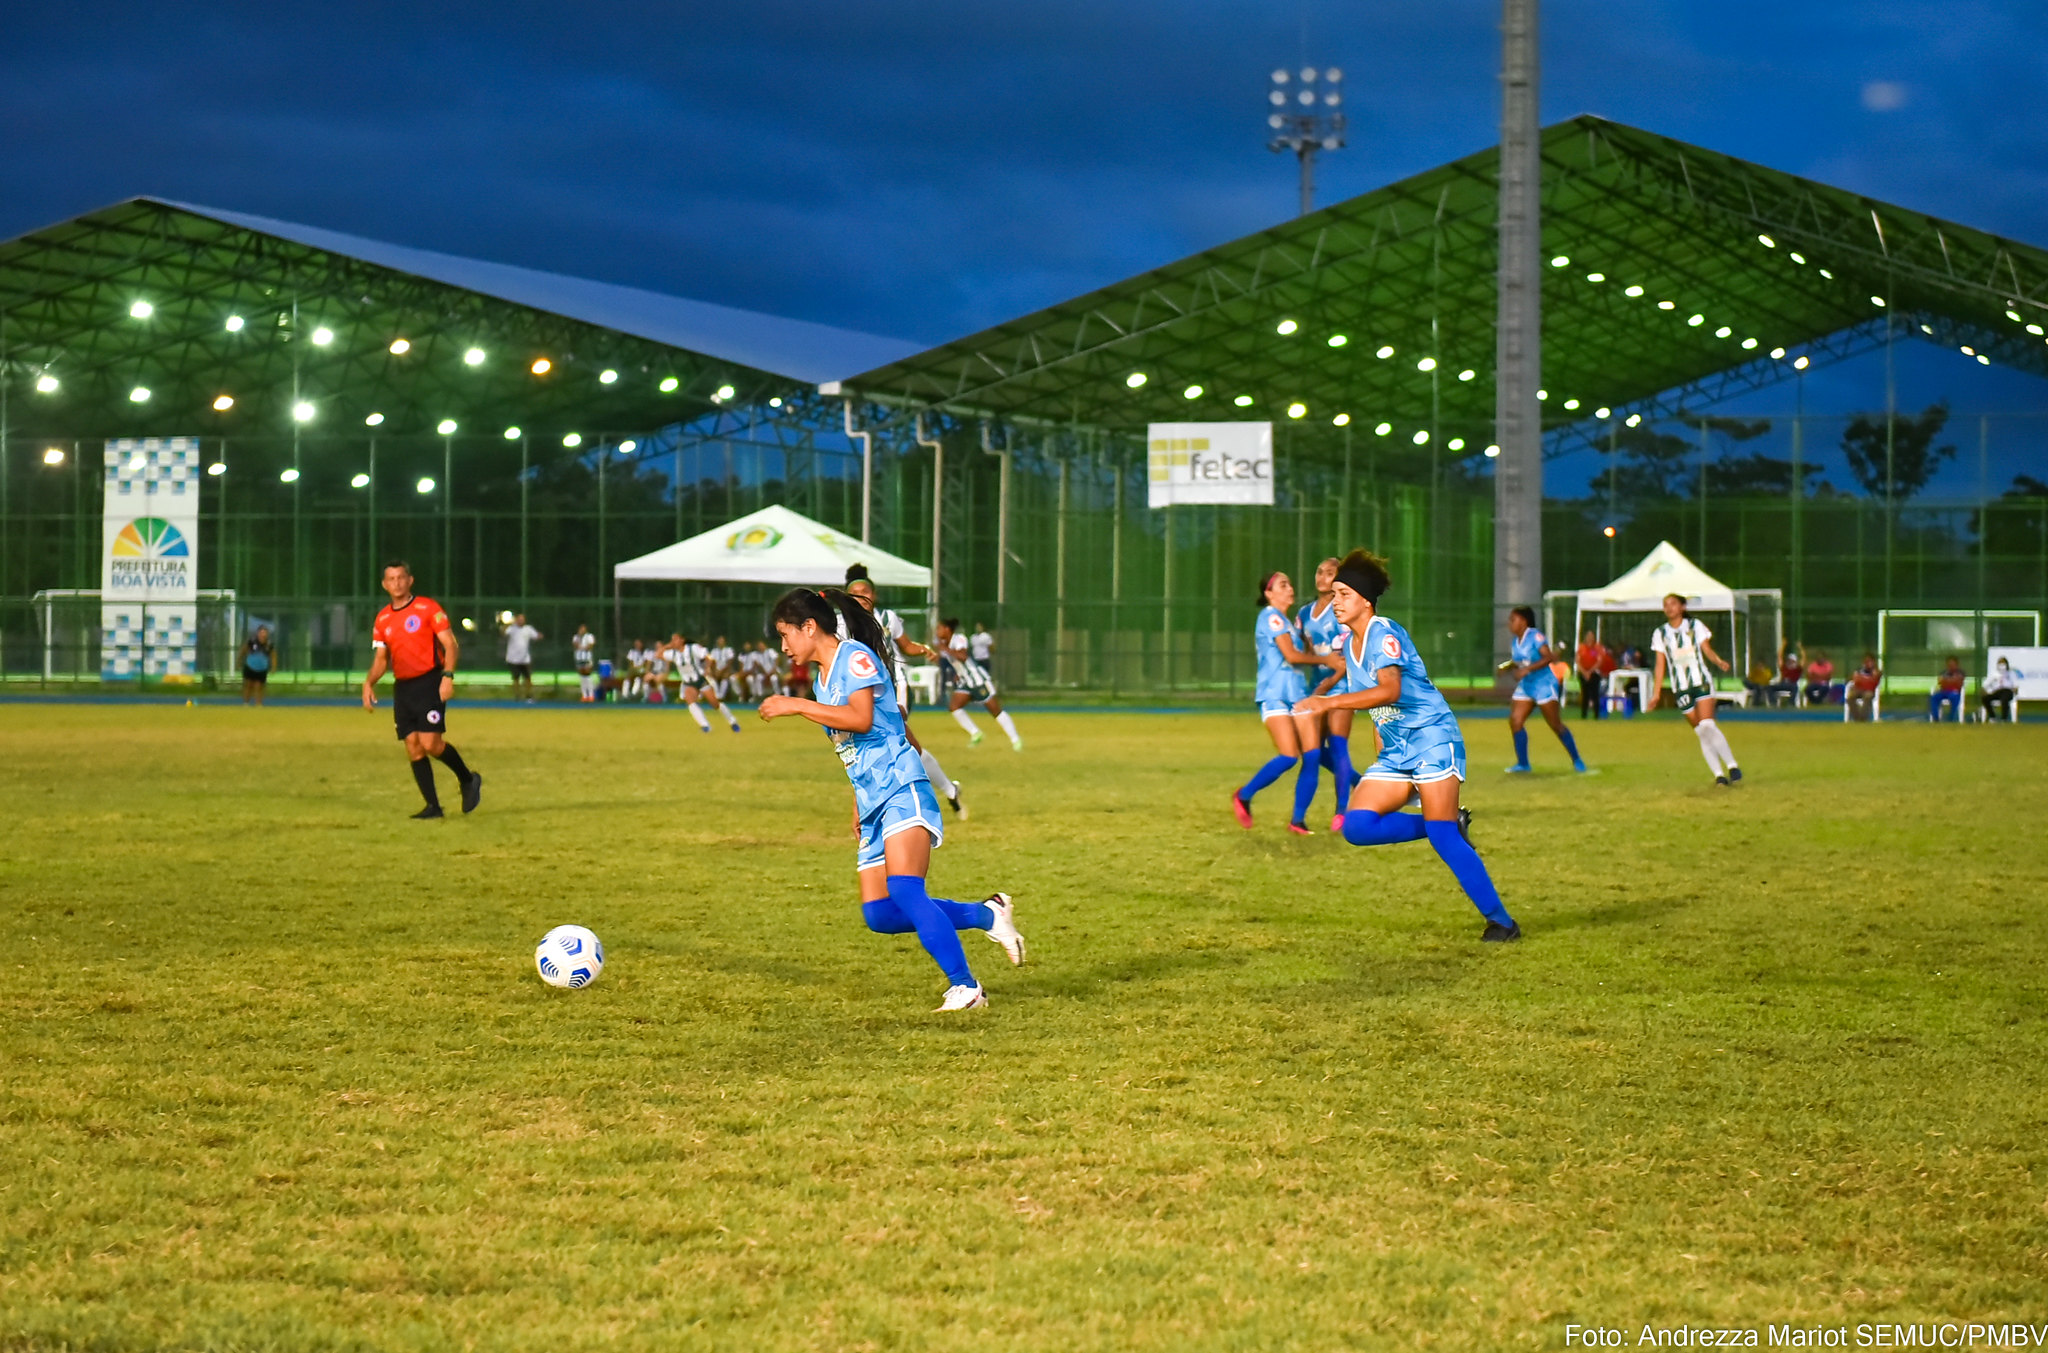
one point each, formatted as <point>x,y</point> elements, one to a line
<point>569,956</point>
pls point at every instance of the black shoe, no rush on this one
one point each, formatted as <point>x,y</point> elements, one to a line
<point>953,800</point>
<point>431,811</point>
<point>1465,824</point>
<point>1496,933</point>
<point>1721,780</point>
<point>1735,775</point>
<point>472,792</point>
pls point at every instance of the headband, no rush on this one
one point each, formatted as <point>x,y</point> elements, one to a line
<point>1361,582</point>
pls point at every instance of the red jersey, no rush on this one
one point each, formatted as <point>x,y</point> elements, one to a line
<point>407,634</point>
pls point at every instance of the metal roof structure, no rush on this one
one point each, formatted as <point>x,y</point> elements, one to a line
<point>190,303</point>
<point>1677,276</point>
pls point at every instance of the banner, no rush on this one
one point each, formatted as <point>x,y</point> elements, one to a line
<point>1210,463</point>
<point>149,559</point>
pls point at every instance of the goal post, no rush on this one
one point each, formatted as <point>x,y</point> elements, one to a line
<point>70,621</point>
<point>1913,644</point>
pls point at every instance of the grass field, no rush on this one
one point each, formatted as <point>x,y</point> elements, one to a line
<point>279,1075</point>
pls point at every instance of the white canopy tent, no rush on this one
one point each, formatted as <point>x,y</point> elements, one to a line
<point>1663,571</point>
<point>773,545</point>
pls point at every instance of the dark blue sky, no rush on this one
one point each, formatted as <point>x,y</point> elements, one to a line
<point>922,169</point>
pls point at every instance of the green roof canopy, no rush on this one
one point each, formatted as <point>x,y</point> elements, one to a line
<point>1677,275</point>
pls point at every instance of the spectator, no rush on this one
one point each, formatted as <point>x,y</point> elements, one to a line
<point>519,656</point>
<point>1592,676</point>
<point>1948,691</point>
<point>1790,668</point>
<point>1820,678</point>
<point>1762,690</point>
<point>1632,658</point>
<point>257,658</point>
<point>2000,690</point>
<point>1864,683</point>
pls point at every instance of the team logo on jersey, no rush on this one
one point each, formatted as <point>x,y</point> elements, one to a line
<point>1275,624</point>
<point>412,624</point>
<point>754,538</point>
<point>1391,646</point>
<point>861,665</point>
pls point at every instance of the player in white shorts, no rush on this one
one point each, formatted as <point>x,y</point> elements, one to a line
<point>697,682</point>
<point>862,589</point>
<point>1683,650</point>
<point>584,646</point>
<point>968,682</point>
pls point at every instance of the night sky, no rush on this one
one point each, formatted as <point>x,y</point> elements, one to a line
<point>924,169</point>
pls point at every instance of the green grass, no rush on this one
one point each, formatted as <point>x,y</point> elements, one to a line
<point>278,1073</point>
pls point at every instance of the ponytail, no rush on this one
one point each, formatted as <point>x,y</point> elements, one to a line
<point>831,610</point>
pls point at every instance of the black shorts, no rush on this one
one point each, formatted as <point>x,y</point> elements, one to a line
<point>251,674</point>
<point>416,705</point>
<point>522,670</point>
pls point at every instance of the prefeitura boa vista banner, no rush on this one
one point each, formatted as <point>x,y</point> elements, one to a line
<point>149,560</point>
<point>1209,463</point>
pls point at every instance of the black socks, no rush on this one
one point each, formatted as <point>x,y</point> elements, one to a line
<point>423,775</point>
<point>452,759</point>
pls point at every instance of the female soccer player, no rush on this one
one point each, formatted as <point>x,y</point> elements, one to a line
<point>1536,687</point>
<point>1297,737</point>
<point>895,814</point>
<point>1320,628</point>
<point>968,682</point>
<point>698,681</point>
<point>862,589</point>
<point>1683,651</point>
<point>1421,749</point>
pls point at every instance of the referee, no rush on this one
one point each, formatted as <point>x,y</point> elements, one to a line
<point>411,637</point>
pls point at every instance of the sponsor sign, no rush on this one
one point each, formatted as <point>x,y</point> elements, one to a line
<point>1209,463</point>
<point>149,559</point>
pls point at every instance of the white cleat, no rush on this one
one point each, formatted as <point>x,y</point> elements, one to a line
<point>1017,744</point>
<point>1003,930</point>
<point>962,998</point>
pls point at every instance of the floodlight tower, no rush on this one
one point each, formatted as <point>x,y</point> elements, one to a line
<point>1306,119</point>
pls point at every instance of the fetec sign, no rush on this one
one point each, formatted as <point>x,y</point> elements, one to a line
<point>1209,463</point>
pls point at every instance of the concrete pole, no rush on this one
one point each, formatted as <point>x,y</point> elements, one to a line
<point>1518,352</point>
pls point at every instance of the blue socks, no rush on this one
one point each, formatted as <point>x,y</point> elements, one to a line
<point>1268,773</point>
<point>1571,749</point>
<point>1337,756</point>
<point>1363,827</point>
<point>909,908</point>
<point>1521,746</point>
<point>1305,786</point>
<point>1466,867</point>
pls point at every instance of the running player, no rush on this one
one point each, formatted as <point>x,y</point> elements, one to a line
<point>862,589</point>
<point>1317,622</point>
<point>1536,687</point>
<point>584,645</point>
<point>895,815</point>
<point>694,667</point>
<point>1421,750</point>
<point>412,638</point>
<point>1683,651</point>
<point>967,681</point>
<point>1280,688</point>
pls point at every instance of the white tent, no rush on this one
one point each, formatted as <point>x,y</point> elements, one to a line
<point>1663,571</point>
<point>773,545</point>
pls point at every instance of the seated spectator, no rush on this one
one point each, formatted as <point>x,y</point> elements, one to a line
<point>1948,691</point>
<point>1632,657</point>
<point>1758,680</point>
<point>1863,687</point>
<point>2000,690</point>
<point>1820,678</point>
<point>1791,666</point>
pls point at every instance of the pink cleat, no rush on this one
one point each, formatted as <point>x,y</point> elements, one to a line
<point>1337,825</point>
<point>1243,811</point>
<point>1299,830</point>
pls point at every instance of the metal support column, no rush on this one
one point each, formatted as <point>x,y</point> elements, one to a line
<point>1518,351</point>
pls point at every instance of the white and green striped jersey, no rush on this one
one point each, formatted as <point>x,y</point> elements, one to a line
<point>1685,666</point>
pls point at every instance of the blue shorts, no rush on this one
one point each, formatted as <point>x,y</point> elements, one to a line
<point>1273,709</point>
<point>1540,686</point>
<point>914,805</point>
<point>1425,761</point>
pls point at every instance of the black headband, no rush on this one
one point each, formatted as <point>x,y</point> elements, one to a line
<point>1360,582</point>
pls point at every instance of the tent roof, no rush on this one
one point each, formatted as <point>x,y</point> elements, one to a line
<point>773,545</point>
<point>1663,571</point>
<point>1737,270</point>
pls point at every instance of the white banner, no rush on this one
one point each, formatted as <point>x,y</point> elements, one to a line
<point>149,559</point>
<point>1209,463</point>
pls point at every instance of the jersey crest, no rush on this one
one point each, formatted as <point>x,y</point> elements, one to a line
<point>861,665</point>
<point>1275,623</point>
<point>1391,646</point>
<point>412,624</point>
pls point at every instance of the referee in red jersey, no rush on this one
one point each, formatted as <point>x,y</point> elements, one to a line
<point>411,637</point>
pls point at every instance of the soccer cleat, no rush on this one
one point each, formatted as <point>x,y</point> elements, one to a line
<point>1337,825</point>
<point>974,739</point>
<point>1243,811</point>
<point>953,801</point>
<point>1298,829</point>
<point>428,813</point>
<point>1496,933</point>
<point>1517,770</point>
<point>1003,930</point>
<point>1016,744</point>
<point>1721,780</point>
<point>961,998</point>
<point>472,792</point>
<point>1735,775</point>
<point>1465,824</point>
<point>1579,766</point>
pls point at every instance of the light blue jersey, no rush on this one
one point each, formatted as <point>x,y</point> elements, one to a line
<point>1323,633</point>
<point>880,762</point>
<point>1541,684</point>
<point>1419,736</point>
<point>1281,683</point>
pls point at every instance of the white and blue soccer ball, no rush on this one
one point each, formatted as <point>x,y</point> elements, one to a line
<point>569,956</point>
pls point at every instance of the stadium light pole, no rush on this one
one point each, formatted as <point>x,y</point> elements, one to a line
<point>1518,339</point>
<point>1306,119</point>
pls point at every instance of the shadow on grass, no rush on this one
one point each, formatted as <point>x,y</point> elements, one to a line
<point>1635,911</point>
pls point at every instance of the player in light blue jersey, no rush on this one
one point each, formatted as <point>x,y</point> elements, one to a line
<point>1324,634</point>
<point>1536,687</point>
<point>1421,749</point>
<point>1297,738</point>
<point>895,813</point>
